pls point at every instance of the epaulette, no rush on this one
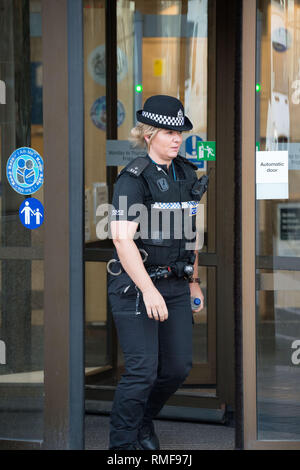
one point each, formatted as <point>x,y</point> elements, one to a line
<point>137,166</point>
<point>187,161</point>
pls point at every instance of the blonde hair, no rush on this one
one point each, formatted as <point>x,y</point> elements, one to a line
<point>137,134</point>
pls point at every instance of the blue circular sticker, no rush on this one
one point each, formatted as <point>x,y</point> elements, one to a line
<point>98,113</point>
<point>25,170</point>
<point>31,213</point>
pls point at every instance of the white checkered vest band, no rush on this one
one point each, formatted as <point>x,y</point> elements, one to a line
<point>168,120</point>
<point>175,205</point>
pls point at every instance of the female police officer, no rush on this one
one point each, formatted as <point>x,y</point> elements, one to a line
<point>150,296</point>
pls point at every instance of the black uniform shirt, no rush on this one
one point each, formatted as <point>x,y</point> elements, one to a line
<point>136,190</point>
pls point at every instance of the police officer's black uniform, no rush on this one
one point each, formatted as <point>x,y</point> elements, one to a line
<point>158,355</point>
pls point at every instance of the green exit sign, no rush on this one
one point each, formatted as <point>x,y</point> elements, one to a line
<point>206,151</point>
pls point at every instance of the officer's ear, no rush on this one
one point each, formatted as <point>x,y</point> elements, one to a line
<point>147,139</point>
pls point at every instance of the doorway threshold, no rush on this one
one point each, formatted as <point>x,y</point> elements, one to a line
<point>169,412</point>
<point>197,392</point>
<point>205,392</point>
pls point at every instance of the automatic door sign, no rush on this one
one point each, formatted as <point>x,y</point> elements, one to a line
<point>25,171</point>
<point>31,213</point>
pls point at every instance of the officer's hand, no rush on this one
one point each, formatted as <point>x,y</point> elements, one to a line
<point>197,292</point>
<point>155,304</point>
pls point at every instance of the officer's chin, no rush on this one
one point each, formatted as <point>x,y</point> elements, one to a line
<point>173,154</point>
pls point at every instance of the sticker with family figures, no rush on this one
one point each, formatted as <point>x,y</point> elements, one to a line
<point>25,171</point>
<point>31,213</point>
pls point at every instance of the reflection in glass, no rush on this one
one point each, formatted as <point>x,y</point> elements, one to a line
<point>162,48</point>
<point>278,222</point>
<point>278,355</point>
<point>96,191</point>
<point>200,353</point>
<point>277,122</point>
<point>96,354</point>
<point>95,115</point>
<point>152,39</point>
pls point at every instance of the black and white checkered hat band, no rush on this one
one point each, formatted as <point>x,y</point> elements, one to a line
<point>161,119</point>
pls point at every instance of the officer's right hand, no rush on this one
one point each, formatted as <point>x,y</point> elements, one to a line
<point>155,304</point>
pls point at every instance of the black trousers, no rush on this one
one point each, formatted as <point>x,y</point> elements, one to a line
<point>158,355</point>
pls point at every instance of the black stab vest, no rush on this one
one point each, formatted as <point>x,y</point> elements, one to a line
<point>167,229</point>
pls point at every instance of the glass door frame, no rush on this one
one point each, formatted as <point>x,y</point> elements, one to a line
<point>248,238</point>
<point>64,230</point>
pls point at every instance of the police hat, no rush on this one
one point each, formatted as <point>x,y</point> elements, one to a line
<point>165,112</point>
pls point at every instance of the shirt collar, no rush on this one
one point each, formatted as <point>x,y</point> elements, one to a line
<point>162,165</point>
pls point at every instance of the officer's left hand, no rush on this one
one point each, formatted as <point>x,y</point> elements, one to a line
<point>196,291</point>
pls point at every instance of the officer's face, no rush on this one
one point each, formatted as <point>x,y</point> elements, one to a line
<point>166,144</point>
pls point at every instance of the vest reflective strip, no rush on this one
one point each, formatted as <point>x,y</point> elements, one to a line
<point>188,204</point>
<point>175,205</point>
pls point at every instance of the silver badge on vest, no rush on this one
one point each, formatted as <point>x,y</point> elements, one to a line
<point>162,184</point>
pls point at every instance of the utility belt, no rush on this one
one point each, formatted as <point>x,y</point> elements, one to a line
<point>178,269</point>
<point>181,269</point>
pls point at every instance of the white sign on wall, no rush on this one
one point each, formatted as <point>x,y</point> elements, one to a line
<point>2,92</point>
<point>288,229</point>
<point>272,177</point>
<point>2,352</point>
<point>121,152</point>
<point>294,154</point>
